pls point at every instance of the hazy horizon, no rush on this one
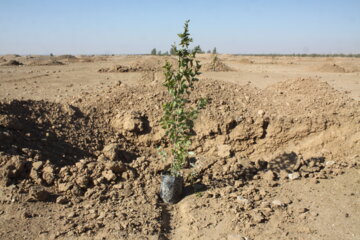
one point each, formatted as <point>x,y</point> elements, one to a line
<point>136,27</point>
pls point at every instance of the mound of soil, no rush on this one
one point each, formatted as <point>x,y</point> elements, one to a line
<point>153,64</point>
<point>46,62</point>
<point>119,68</point>
<point>11,56</point>
<point>331,68</point>
<point>12,63</point>
<point>145,64</point>
<point>216,66</point>
<point>66,58</point>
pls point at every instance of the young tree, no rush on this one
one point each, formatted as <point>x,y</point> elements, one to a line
<point>172,50</point>
<point>214,51</point>
<point>153,51</point>
<point>159,52</point>
<point>198,49</point>
<point>178,114</point>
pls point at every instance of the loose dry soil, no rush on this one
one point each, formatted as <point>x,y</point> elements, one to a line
<point>277,150</point>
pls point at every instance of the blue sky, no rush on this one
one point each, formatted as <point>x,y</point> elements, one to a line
<point>137,26</point>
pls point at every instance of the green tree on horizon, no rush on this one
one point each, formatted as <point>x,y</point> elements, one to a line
<point>214,51</point>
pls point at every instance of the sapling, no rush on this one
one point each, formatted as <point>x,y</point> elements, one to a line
<point>214,62</point>
<point>179,112</point>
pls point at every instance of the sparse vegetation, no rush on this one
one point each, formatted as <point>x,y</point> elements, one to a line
<point>214,61</point>
<point>214,51</point>
<point>178,114</point>
<point>198,49</point>
<point>172,50</point>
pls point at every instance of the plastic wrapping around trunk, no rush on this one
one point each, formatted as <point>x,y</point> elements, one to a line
<point>171,188</point>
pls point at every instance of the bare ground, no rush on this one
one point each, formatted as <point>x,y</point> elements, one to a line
<point>277,149</point>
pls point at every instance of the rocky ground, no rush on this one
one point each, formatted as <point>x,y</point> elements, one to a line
<point>277,150</point>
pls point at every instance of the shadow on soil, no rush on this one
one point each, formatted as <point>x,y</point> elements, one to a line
<point>32,131</point>
<point>46,131</point>
<point>165,222</point>
<point>288,162</point>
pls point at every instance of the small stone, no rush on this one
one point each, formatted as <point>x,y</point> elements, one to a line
<point>48,177</point>
<point>261,112</point>
<point>35,176</point>
<point>39,193</point>
<point>37,165</point>
<point>80,165</point>
<point>125,175</point>
<point>118,186</point>
<point>111,151</point>
<point>294,176</point>
<point>48,169</point>
<point>242,200</point>
<point>265,204</point>
<point>277,203</point>
<point>224,151</point>
<point>116,167</point>
<point>314,214</point>
<point>14,168</point>
<point>329,163</point>
<point>269,176</point>
<point>258,217</point>
<point>72,215</point>
<point>134,122</point>
<point>237,237</point>
<point>109,175</point>
<point>62,200</point>
<point>257,198</point>
<point>63,187</point>
<point>256,177</point>
<point>311,164</point>
<point>101,158</point>
<point>83,181</point>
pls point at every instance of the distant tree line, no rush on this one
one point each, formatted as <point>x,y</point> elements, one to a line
<point>197,48</point>
<point>301,55</point>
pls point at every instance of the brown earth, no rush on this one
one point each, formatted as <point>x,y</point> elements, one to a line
<point>277,150</point>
